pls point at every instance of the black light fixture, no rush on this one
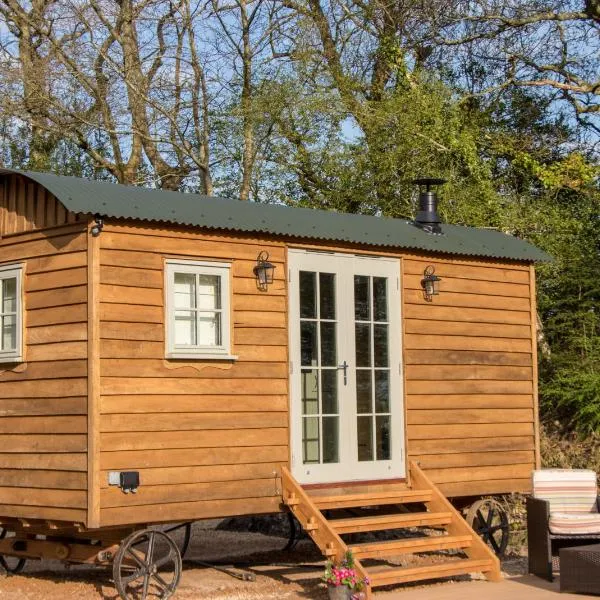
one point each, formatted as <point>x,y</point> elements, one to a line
<point>263,271</point>
<point>97,227</point>
<point>430,283</point>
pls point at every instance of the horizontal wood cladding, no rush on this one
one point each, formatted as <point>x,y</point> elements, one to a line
<point>175,475</point>
<point>192,457</point>
<point>26,206</point>
<point>469,376</point>
<point>43,401</point>
<point>189,511</point>
<point>207,436</point>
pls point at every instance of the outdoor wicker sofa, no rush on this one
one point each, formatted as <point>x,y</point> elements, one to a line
<point>563,512</point>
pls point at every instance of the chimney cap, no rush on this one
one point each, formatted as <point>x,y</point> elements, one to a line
<point>429,181</point>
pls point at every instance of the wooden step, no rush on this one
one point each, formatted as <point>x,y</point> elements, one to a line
<point>388,575</point>
<point>371,499</point>
<point>411,545</point>
<point>378,523</point>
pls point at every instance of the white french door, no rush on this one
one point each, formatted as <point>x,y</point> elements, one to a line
<point>346,393</point>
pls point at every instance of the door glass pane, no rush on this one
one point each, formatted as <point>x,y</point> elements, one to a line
<point>363,344</point>
<point>310,392</point>
<point>185,328</point>
<point>308,295</point>
<point>379,299</point>
<point>209,329</point>
<point>383,437</point>
<point>363,391</point>
<point>381,345</point>
<point>9,295</point>
<point>330,440</point>
<point>209,292</point>
<point>328,344</point>
<point>9,332</point>
<point>365,438</point>
<point>310,440</point>
<point>185,290</point>
<point>362,310</point>
<point>382,391</point>
<point>327,295</point>
<point>329,391</point>
<point>308,343</point>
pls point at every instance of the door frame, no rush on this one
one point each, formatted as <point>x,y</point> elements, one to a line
<point>391,268</point>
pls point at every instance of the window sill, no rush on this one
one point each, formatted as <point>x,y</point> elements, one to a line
<point>11,359</point>
<point>199,356</point>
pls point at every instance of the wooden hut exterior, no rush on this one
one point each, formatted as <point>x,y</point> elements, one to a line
<point>97,383</point>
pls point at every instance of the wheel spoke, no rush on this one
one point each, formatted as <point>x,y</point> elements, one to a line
<point>145,588</point>
<point>161,582</point>
<point>150,551</point>
<point>490,516</point>
<point>132,554</point>
<point>131,578</point>
<point>161,562</point>
<point>494,544</point>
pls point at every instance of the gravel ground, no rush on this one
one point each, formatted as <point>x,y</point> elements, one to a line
<point>279,575</point>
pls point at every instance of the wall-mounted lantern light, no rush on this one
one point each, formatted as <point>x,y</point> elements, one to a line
<point>430,283</point>
<point>263,271</point>
<point>98,225</point>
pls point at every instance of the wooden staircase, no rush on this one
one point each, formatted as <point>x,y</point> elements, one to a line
<point>386,511</point>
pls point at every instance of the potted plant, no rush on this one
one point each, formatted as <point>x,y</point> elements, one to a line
<point>342,580</point>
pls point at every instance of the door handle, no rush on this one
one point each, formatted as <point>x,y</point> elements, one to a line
<point>345,366</point>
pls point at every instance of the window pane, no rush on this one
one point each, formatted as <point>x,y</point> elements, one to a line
<point>310,392</point>
<point>379,299</point>
<point>209,292</point>
<point>383,437</point>
<point>382,391</point>
<point>185,328</point>
<point>329,391</point>
<point>327,292</point>
<point>209,329</point>
<point>310,440</point>
<point>363,391</point>
<point>185,290</point>
<point>9,295</point>
<point>381,345</point>
<point>308,343</point>
<point>362,310</point>
<point>365,438</point>
<point>9,333</point>
<point>330,440</point>
<point>308,293</point>
<point>328,344</point>
<point>363,344</point>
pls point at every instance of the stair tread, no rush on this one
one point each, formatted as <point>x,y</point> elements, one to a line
<point>384,575</point>
<point>371,498</point>
<point>393,521</point>
<point>414,544</point>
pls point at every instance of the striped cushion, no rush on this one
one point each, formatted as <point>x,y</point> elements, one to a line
<point>567,490</point>
<point>573,523</point>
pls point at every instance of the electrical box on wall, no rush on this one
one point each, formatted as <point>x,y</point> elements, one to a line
<point>128,481</point>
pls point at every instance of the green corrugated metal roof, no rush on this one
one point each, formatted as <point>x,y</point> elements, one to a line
<point>113,200</point>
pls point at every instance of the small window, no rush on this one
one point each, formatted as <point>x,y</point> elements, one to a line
<point>198,309</point>
<point>11,314</point>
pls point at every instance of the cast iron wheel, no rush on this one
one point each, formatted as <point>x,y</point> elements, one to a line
<point>182,537</point>
<point>11,564</point>
<point>490,521</point>
<point>147,565</point>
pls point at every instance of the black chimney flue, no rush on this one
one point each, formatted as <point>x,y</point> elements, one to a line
<point>427,217</point>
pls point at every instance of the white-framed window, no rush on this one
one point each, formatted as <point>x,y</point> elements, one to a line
<point>11,313</point>
<point>198,309</point>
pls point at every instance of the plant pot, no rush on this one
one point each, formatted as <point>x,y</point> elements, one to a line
<point>340,592</point>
